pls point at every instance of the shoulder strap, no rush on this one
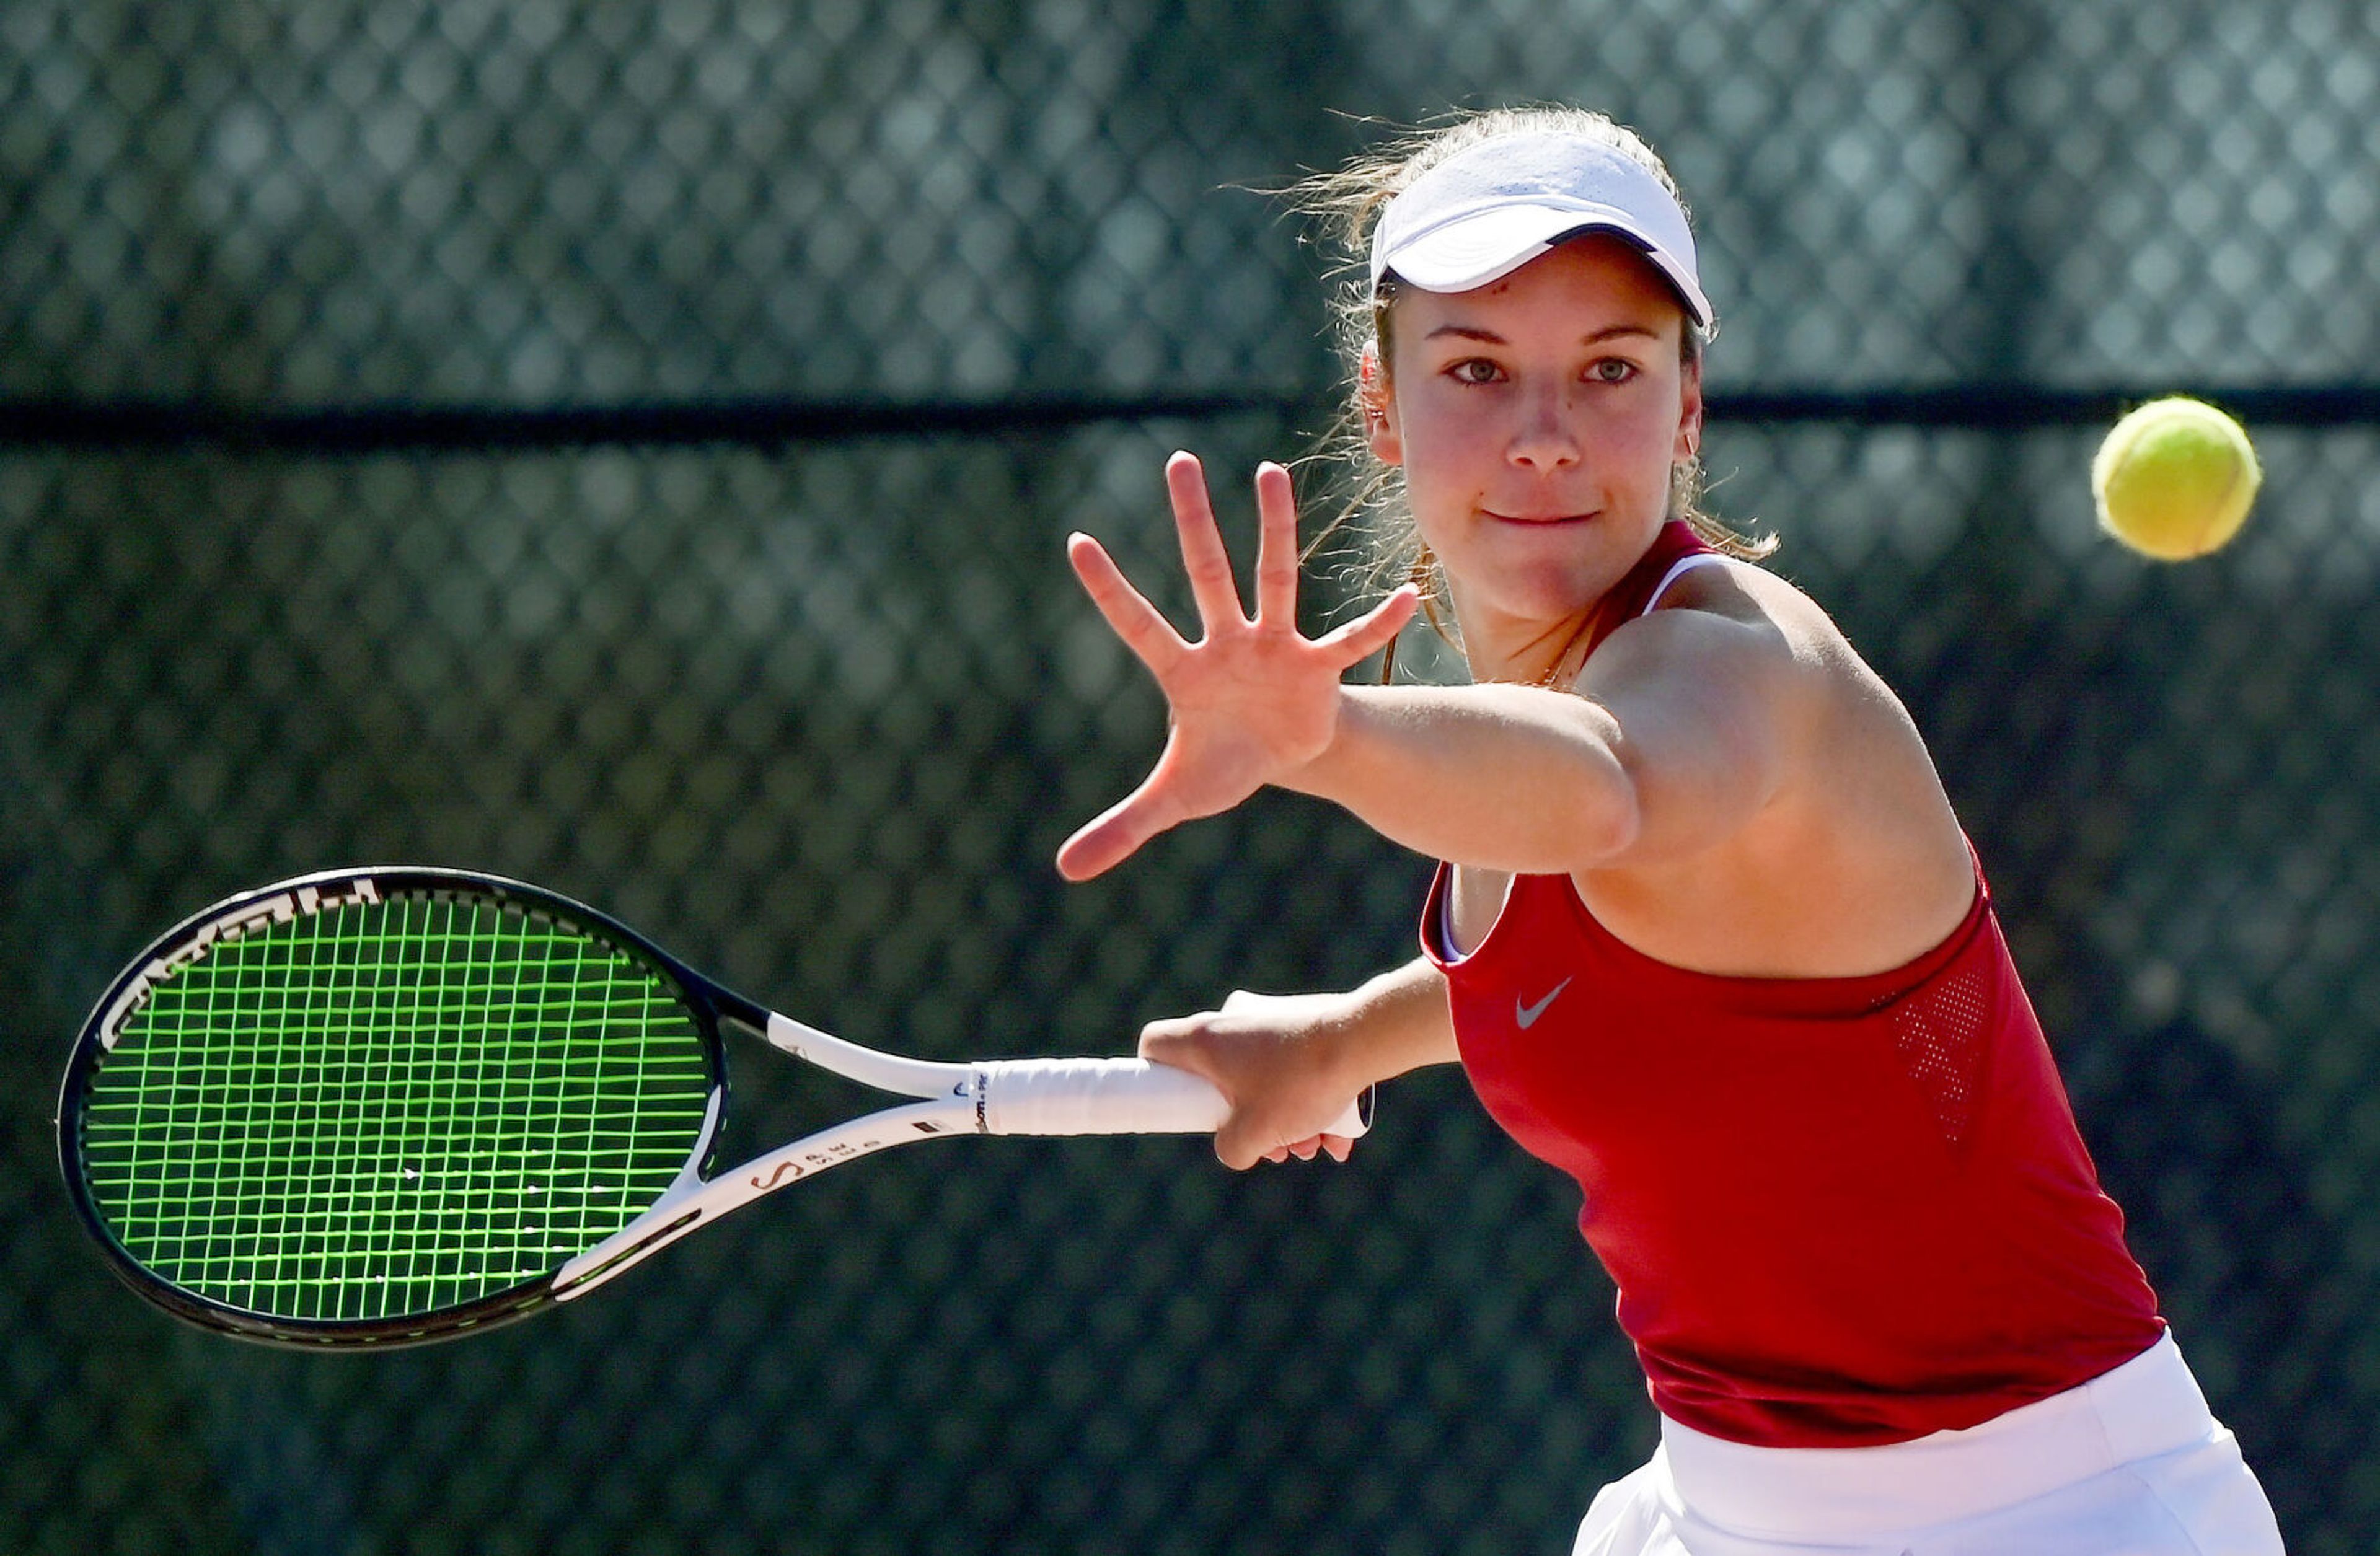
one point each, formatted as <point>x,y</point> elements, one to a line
<point>1678,569</point>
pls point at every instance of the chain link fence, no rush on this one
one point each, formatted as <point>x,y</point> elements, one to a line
<point>817,711</point>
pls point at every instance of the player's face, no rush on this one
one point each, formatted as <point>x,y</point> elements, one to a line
<point>1537,419</point>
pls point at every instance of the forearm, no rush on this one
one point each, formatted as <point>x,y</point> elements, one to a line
<point>1395,1022</point>
<point>1510,778</point>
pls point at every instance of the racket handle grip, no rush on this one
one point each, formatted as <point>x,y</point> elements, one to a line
<point>1111,1096</point>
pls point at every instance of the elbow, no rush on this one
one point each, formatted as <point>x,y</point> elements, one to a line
<point>1611,829</point>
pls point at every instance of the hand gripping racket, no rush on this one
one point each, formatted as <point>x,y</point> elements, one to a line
<point>377,1107</point>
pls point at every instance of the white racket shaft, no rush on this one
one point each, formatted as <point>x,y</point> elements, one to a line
<point>1049,1096</point>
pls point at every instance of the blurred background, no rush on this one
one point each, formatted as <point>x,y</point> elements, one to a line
<point>628,444</point>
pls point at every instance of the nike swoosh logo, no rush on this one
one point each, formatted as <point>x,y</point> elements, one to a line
<point>1525,1016</point>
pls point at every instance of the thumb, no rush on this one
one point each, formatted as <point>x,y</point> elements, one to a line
<point>1114,835</point>
<point>1375,630</point>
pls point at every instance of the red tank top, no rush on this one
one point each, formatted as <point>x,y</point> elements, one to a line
<point>1840,1212</point>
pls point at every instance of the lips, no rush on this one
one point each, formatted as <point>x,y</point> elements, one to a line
<point>1547,518</point>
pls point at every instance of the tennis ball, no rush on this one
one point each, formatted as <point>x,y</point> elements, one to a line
<point>2174,479</point>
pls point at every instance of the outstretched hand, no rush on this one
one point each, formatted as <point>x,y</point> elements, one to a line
<point>1252,701</point>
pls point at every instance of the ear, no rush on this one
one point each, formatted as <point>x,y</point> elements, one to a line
<point>1380,431</point>
<point>1690,417</point>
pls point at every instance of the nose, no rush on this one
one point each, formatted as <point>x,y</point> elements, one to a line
<point>1543,436</point>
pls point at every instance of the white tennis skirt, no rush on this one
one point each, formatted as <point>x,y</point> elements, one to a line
<point>2131,1464</point>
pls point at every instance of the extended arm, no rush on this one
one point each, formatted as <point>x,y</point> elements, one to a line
<point>1675,738</point>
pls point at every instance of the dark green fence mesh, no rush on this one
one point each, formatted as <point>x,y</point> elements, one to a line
<point>816,712</point>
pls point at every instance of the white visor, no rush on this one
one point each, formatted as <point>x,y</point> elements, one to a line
<point>1484,213</point>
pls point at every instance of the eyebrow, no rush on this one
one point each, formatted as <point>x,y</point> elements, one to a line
<point>1469,332</point>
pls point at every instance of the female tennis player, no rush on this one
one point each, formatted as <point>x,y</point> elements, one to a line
<point>1705,935</point>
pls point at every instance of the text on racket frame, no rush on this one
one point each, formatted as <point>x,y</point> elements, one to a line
<point>279,908</point>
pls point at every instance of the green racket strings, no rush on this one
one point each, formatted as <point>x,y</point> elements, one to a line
<point>391,1109</point>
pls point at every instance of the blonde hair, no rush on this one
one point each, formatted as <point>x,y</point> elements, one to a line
<point>1347,205</point>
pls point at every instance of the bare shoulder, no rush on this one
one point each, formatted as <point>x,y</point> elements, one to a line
<point>1854,861</point>
<point>1746,618</point>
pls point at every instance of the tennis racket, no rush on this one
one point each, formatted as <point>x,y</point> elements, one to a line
<point>377,1107</point>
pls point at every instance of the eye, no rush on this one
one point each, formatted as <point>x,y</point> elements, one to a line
<point>1612,370</point>
<point>1474,370</point>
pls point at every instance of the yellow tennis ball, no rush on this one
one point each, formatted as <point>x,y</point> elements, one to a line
<point>2175,479</point>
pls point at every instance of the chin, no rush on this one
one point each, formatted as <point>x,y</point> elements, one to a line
<point>1529,609</point>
